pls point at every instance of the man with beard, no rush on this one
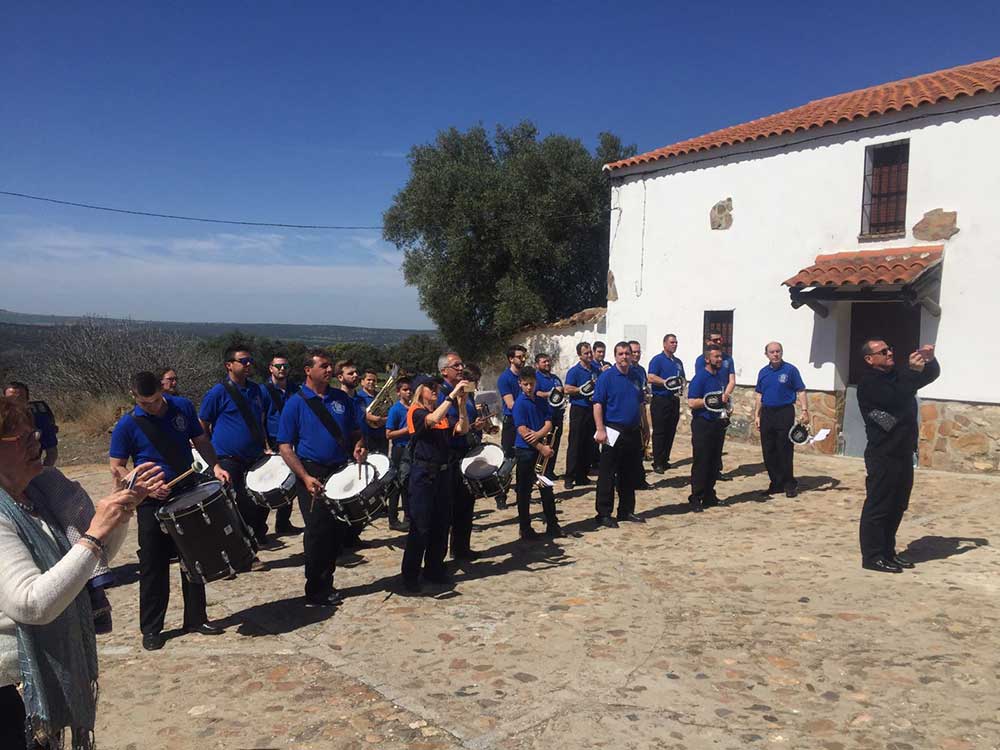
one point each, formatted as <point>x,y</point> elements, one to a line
<point>707,429</point>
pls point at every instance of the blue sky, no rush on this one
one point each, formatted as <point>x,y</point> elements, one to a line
<point>304,112</point>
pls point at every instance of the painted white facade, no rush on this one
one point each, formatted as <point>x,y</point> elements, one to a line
<point>795,197</point>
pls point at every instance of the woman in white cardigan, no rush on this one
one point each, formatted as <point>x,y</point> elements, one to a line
<point>48,652</point>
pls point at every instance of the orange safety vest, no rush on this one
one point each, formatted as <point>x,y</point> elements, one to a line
<point>441,425</point>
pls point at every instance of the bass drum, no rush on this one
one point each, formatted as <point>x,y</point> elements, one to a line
<point>211,538</point>
<point>357,493</point>
<point>486,472</point>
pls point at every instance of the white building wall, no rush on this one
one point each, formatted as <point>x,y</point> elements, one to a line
<point>796,197</point>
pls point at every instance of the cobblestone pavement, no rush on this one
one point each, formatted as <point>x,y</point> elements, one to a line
<point>749,625</point>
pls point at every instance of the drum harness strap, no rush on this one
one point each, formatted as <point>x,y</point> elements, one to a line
<point>316,405</point>
<point>256,429</point>
<point>169,450</point>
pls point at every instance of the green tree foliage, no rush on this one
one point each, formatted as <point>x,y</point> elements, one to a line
<point>504,233</point>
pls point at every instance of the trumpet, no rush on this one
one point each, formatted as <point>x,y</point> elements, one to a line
<point>386,397</point>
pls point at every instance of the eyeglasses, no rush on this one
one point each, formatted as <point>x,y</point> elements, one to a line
<point>243,360</point>
<point>456,366</point>
<point>170,380</point>
<point>283,366</point>
<point>883,352</point>
<point>24,438</point>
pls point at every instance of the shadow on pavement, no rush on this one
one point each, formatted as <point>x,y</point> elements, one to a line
<point>276,617</point>
<point>929,548</point>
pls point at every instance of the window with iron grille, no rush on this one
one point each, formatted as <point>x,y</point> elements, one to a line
<point>883,210</point>
<point>720,321</point>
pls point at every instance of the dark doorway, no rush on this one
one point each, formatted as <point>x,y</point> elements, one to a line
<point>898,323</point>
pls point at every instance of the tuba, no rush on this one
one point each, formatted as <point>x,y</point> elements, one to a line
<point>386,397</point>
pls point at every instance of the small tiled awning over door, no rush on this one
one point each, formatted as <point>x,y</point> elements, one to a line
<point>906,274</point>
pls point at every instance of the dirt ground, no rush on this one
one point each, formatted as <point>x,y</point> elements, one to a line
<point>750,625</point>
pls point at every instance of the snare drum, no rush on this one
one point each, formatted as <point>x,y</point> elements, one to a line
<point>486,472</point>
<point>358,497</point>
<point>271,483</point>
<point>211,538</point>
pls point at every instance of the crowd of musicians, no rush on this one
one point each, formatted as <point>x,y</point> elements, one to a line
<point>315,414</point>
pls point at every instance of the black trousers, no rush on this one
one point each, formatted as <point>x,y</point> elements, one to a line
<point>557,430</point>
<point>508,433</point>
<point>323,537</point>
<point>664,413</point>
<point>377,441</point>
<point>430,518</point>
<point>888,484</point>
<point>579,453</point>
<point>253,515</point>
<point>778,450</point>
<point>155,550</point>
<point>401,491</point>
<point>12,718</point>
<point>707,439</point>
<point>619,468</point>
<point>463,506</point>
<point>526,458</point>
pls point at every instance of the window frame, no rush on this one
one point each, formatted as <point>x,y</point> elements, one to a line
<point>876,203</point>
<point>721,321</point>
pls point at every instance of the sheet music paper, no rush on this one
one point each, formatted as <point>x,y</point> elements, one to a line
<point>819,436</point>
<point>612,435</point>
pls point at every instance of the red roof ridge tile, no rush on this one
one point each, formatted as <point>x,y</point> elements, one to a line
<point>928,88</point>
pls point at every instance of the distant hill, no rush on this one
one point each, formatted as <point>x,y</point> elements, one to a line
<point>317,335</point>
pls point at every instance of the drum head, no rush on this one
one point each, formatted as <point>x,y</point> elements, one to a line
<point>346,483</point>
<point>267,474</point>
<point>380,461</point>
<point>192,497</point>
<point>482,461</point>
<point>713,401</point>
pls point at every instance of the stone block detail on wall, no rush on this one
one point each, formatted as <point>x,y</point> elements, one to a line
<point>937,224</point>
<point>957,436</point>
<point>721,215</point>
<point>612,289</point>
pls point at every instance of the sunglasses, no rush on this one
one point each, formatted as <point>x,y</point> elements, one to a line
<point>24,438</point>
<point>243,361</point>
<point>279,367</point>
<point>883,352</point>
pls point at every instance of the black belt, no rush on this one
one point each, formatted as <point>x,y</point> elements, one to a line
<point>322,469</point>
<point>774,408</point>
<point>667,394</point>
<point>622,427</point>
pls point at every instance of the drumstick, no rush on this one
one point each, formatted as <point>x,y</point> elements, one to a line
<point>179,477</point>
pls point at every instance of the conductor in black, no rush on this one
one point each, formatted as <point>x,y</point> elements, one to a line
<point>887,399</point>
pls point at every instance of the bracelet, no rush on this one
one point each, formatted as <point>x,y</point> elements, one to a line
<point>93,540</point>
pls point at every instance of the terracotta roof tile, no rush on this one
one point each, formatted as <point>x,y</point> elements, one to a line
<point>943,85</point>
<point>869,267</point>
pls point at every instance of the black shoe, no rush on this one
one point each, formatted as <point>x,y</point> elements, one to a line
<point>711,502</point>
<point>644,485</point>
<point>259,566</point>
<point>902,562</point>
<point>659,469</point>
<point>723,478</point>
<point>442,578</point>
<point>697,506</point>
<point>570,484</point>
<point>667,466</point>
<point>607,521</point>
<point>632,518</point>
<point>791,491</point>
<point>287,529</point>
<point>466,554</point>
<point>501,503</point>
<point>882,566</point>
<point>554,530</point>
<point>397,525</point>
<point>765,494</point>
<point>153,641</point>
<point>528,534</point>
<point>325,600</point>
<point>206,628</point>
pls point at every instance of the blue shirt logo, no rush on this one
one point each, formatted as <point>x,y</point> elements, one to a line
<point>336,407</point>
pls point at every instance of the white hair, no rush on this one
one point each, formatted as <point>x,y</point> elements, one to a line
<point>443,360</point>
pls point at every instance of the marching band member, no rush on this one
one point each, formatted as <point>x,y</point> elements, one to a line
<point>887,399</point>
<point>280,388</point>
<point>779,387</point>
<point>168,381</point>
<point>396,431</point>
<point>635,356</point>
<point>707,429</point>
<point>232,413</point>
<point>665,409</point>
<point>599,351</point>
<point>508,388</point>
<point>728,369</point>
<point>452,371</point>
<point>375,426</point>
<point>318,434</point>
<point>430,483</point>
<point>45,421</point>
<point>618,397</point>
<point>348,377</point>
<point>545,382</point>
<point>533,422</point>
<point>581,417</point>
<point>160,430</point>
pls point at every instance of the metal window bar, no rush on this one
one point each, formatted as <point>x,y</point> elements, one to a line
<point>883,209</point>
<point>720,321</point>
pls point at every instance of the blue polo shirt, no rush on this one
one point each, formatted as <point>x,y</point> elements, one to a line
<point>457,441</point>
<point>179,423</point>
<point>396,420</point>
<point>364,400</point>
<point>508,385</point>
<point>304,431</point>
<point>778,387</point>
<point>664,367</point>
<point>546,382</point>
<point>45,422</point>
<point>274,412</point>
<point>230,435</point>
<point>577,376</point>
<point>704,382</point>
<point>728,366</point>
<point>531,413</point>
<point>621,394</point>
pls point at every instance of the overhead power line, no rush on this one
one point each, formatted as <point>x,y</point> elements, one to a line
<point>176,217</point>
